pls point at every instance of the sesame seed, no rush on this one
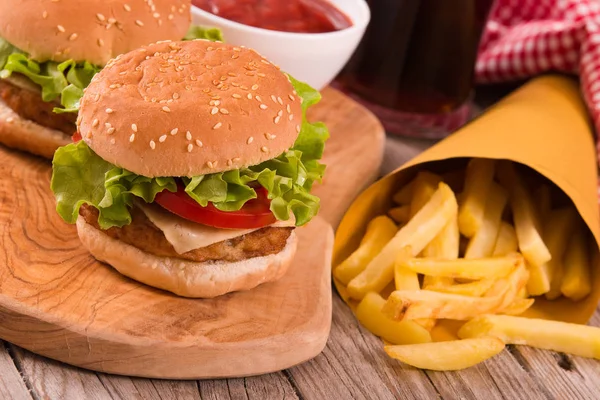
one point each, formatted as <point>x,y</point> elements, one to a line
<point>237,49</point>
<point>264,149</point>
<point>175,96</point>
<point>254,87</point>
<point>217,125</point>
<point>279,113</point>
<point>235,84</point>
<point>171,16</point>
<point>265,62</point>
<point>298,128</point>
<point>188,135</point>
<point>292,98</point>
<point>190,147</point>
<point>291,117</point>
<point>127,7</point>
<point>89,135</point>
<point>61,28</point>
<point>199,143</point>
<point>166,109</point>
<point>274,98</point>
<point>174,131</point>
<point>236,159</point>
<point>236,96</point>
<point>73,37</point>
<point>132,137</point>
<point>156,15</point>
<point>232,74</point>
<point>112,141</point>
<point>224,111</point>
<point>279,100</point>
<point>107,125</point>
<point>277,119</point>
<point>210,164</point>
<point>152,145</point>
<point>295,93</point>
<point>100,17</point>
<point>263,106</point>
<point>139,23</point>
<point>45,14</point>
<point>95,123</point>
<point>134,127</point>
<point>100,42</point>
<point>109,111</point>
<point>110,131</point>
<point>250,140</point>
<point>112,21</point>
<point>269,136</point>
<point>229,163</point>
<point>97,97</point>
<point>249,96</point>
<point>162,138</point>
<point>214,111</point>
<point>235,56</point>
<point>261,74</point>
<point>217,102</point>
<point>244,87</point>
<point>258,98</point>
<point>10,119</point>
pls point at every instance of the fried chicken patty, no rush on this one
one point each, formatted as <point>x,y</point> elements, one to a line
<point>29,105</point>
<point>144,235</point>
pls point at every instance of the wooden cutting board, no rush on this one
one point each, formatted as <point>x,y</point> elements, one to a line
<point>56,300</point>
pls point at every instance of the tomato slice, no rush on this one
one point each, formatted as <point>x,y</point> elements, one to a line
<point>76,137</point>
<point>254,214</point>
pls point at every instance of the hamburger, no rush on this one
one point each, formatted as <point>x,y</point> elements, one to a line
<point>192,166</point>
<point>50,50</point>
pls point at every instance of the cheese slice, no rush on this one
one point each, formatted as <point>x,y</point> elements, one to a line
<point>186,235</point>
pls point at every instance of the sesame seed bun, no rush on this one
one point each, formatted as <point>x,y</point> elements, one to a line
<point>182,277</point>
<point>188,109</point>
<point>90,30</point>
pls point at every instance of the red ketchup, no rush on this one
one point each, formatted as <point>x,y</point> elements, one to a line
<point>301,16</point>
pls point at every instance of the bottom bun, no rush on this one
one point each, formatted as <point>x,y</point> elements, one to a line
<point>23,134</point>
<point>183,277</point>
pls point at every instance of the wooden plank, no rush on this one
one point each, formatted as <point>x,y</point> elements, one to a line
<point>272,386</point>
<point>53,380</point>
<point>123,387</point>
<point>12,385</point>
<point>353,365</point>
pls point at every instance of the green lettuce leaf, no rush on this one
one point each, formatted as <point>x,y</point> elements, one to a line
<point>80,176</point>
<point>198,32</point>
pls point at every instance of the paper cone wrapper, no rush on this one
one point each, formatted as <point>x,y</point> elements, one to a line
<point>543,125</point>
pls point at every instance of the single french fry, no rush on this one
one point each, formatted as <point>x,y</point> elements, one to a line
<point>518,307</point>
<point>576,283</point>
<point>369,314</point>
<point>475,289</point>
<point>414,236</point>
<point>418,304</point>
<point>483,241</point>
<point>400,214</point>
<point>478,179</point>
<point>455,179</point>
<point>558,230</point>
<point>506,242</point>
<point>480,268</point>
<point>424,187</point>
<point>404,195</point>
<point>447,356</point>
<point>579,340</point>
<point>405,279</point>
<point>380,230</point>
<point>542,199</point>
<point>527,227</point>
<point>446,246</point>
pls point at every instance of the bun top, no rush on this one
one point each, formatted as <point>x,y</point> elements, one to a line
<point>189,108</point>
<point>90,30</point>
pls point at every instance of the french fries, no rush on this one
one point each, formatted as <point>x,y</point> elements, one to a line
<point>371,317</point>
<point>483,241</point>
<point>576,282</point>
<point>557,231</point>
<point>415,235</point>
<point>458,264</point>
<point>579,340</point>
<point>379,231</point>
<point>478,179</point>
<point>447,356</point>
<point>527,227</point>
<point>463,268</point>
<point>506,242</point>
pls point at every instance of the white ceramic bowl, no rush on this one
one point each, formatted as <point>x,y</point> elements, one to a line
<point>315,58</point>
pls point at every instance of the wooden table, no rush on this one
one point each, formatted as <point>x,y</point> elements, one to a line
<point>352,366</point>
